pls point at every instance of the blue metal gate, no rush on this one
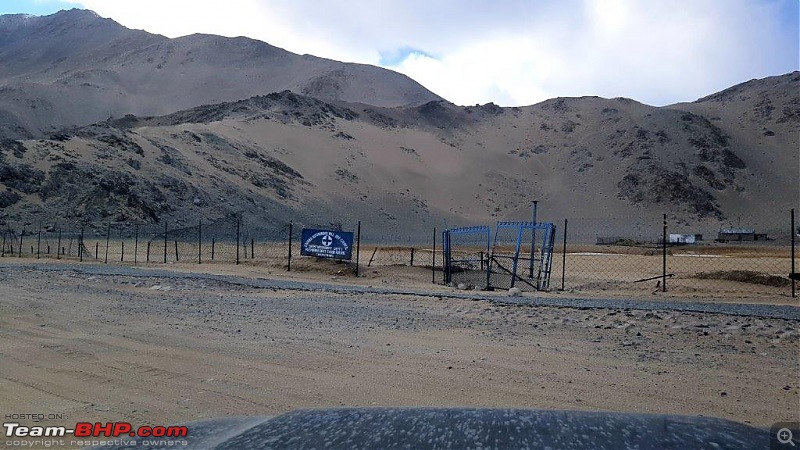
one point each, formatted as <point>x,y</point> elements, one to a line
<point>466,252</point>
<point>515,260</point>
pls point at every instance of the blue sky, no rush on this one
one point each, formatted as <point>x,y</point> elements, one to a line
<point>394,57</point>
<point>38,8</point>
<point>513,52</point>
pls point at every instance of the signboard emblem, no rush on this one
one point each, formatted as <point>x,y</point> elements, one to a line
<point>327,243</point>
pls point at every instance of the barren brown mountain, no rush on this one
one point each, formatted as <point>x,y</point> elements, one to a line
<point>74,68</point>
<point>357,142</point>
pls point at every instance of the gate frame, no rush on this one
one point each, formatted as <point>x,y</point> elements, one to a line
<point>447,248</point>
<point>545,254</point>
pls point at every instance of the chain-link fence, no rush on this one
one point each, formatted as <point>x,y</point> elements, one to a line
<point>466,252</point>
<point>729,260</point>
<point>598,256</point>
<point>227,240</point>
<point>235,239</point>
<point>41,243</point>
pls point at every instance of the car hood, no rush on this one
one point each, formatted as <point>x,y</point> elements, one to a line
<point>464,428</point>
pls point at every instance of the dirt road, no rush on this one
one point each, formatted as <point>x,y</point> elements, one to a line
<point>156,350</point>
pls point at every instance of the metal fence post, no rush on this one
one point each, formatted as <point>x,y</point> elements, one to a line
<point>664,257</point>
<point>213,245</point>
<point>108,238</point>
<point>136,244</point>
<point>165,242</point>
<point>176,251</point>
<point>533,238</point>
<point>3,251</point>
<point>200,241</point>
<point>58,250</point>
<point>39,242</point>
<point>794,272</point>
<point>358,245</point>
<point>446,256</point>
<point>516,257</point>
<point>564,256</point>
<point>237,239</point>
<point>412,256</point>
<point>488,250</point>
<point>289,258</point>
<point>80,246</point>
<point>21,234</point>
<point>252,248</point>
<point>433,259</point>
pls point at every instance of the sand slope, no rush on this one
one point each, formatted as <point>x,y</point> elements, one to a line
<point>613,166</point>
<point>75,68</point>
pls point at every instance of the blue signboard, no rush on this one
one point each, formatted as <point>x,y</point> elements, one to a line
<point>327,243</point>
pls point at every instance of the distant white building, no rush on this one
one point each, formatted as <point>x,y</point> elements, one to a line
<point>675,238</point>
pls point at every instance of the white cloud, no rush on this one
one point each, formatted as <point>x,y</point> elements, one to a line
<point>513,52</point>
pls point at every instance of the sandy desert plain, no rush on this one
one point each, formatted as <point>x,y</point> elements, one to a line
<point>180,342</point>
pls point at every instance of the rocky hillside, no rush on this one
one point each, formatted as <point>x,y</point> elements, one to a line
<point>403,170</point>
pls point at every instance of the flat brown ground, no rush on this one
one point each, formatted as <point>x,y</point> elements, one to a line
<point>154,350</point>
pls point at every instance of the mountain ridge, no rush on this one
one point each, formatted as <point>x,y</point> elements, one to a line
<point>314,152</point>
<point>285,156</point>
<point>52,63</point>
